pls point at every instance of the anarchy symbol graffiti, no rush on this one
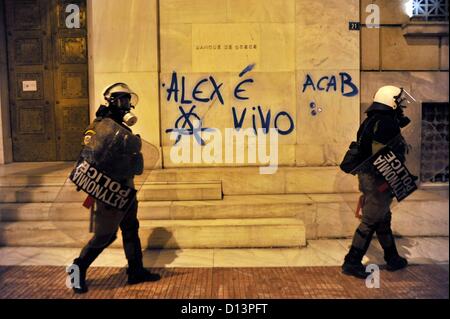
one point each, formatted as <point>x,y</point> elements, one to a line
<point>189,123</point>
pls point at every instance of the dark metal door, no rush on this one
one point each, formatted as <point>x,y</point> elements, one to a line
<point>71,80</point>
<point>48,79</point>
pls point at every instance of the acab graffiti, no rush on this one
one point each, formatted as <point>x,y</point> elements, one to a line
<point>329,84</point>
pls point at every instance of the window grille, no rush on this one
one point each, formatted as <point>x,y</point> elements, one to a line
<point>435,143</point>
<point>430,10</point>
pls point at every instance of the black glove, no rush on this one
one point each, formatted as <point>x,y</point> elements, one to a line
<point>138,163</point>
<point>403,120</point>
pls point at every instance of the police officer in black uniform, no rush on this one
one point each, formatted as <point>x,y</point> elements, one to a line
<point>385,119</point>
<point>120,100</point>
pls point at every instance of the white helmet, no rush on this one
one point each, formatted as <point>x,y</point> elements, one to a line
<point>116,90</point>
<point>122,99</point>
<point>393,96</point>
<point>387,95</point>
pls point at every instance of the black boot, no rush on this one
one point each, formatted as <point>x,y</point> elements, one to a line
<point>79,284</point>
<point>387,241</point>
<point>393,260</point>
<point>353,264</point>
<point>87,257</point>
<point>138,274</point>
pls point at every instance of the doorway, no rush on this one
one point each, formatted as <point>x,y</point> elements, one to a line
<point>48,78</point>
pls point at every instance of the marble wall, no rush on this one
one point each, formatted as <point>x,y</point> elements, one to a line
<point>326,48</point>
<point>302,52</point>
<point>123,47</point>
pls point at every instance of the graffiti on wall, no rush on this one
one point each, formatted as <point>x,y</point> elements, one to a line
<point>209,91</point>
<point>257,125</point>
<point>338,84</point>
<point>253,127</point>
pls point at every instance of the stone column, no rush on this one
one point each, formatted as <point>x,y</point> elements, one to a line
<point>328,72</point>
<point>123,47</point>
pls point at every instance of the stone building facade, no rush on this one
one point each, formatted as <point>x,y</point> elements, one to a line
<point>311,73</point>
<point>301,71</point>
<point>312,76</point>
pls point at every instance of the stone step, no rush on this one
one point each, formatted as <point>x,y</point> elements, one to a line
<point>24,180</point>
<point>235,180</point>
<point>149,192</point>
<point>34,174</point>
<point>425,213</point>
<point>228,233</point>
<point>37,194</point>
<point>249,181</point>
<point>231,207</point>
<point>186,191</point>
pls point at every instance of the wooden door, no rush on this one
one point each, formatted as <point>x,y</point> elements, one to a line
<point>47,65</point>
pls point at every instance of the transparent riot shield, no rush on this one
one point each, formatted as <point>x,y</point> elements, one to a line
<point>103,185</point>
<point>393,172</point>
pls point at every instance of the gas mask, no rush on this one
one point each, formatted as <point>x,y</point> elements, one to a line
<point>122,106</point>
<point>121,99</point>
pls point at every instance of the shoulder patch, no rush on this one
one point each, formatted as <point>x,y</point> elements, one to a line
<point>90,132</point>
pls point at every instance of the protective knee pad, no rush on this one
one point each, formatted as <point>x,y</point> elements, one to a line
<point>363,236</point>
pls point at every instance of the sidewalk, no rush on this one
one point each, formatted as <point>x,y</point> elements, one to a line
<point>311,272</point>
<point>433,250</point>
<point>416,281</point>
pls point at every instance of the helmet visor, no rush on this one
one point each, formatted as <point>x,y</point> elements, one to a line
<point>120,90</point>
<point>404,99</point>
<point>125,99</point>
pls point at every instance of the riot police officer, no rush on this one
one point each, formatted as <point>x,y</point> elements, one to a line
<point>385,119</point>
<point>120,101</point>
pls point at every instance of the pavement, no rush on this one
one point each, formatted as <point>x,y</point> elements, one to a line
<point>311,272</point>
<point>418,250</point>
<point>48,282</point>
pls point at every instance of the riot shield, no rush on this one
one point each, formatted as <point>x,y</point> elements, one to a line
<point>102,189</point>
<point>391,168</point>
<point>389,165</point>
